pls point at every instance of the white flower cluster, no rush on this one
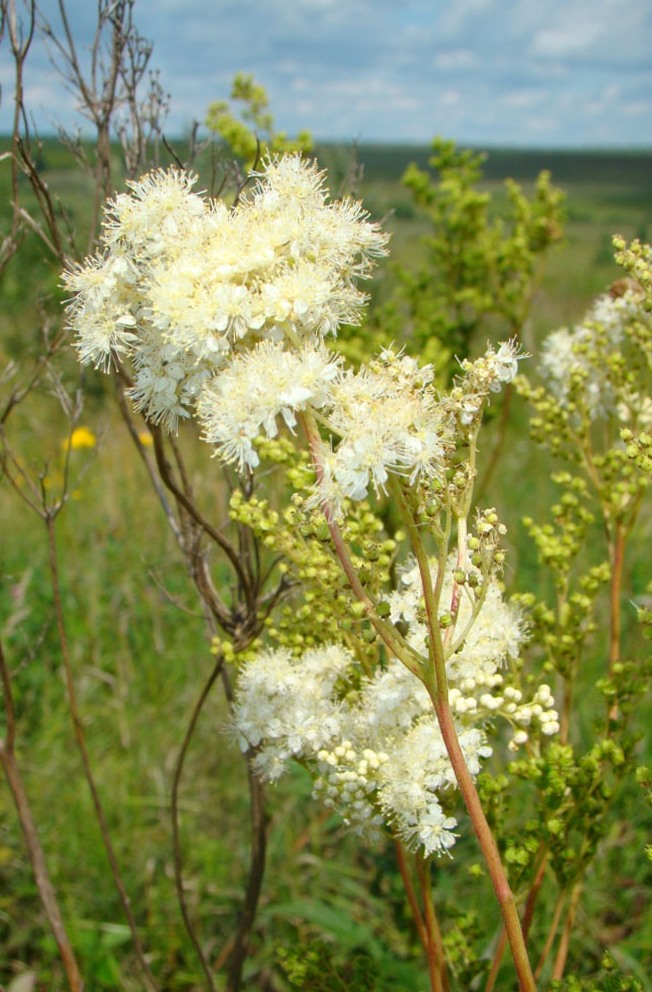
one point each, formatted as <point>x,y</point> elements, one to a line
<point>383,417</point>
<point>487,374</point>
<point>579,358</point>
<point>489,633</point>
<point>284,706</point>
<point>373,744</point>
<point>376,753</point>
<point>386,418</point>
<point>221,314</point>
<point>184,285</point>
<point>258,387</point>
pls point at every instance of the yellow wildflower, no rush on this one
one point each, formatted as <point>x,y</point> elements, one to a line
<point>81,437</point>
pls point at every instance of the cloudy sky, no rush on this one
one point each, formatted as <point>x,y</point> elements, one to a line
<point>528,73</point>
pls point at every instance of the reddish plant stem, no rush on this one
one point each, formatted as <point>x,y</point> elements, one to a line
<point>552,931</point>
<point>617,560</point>
<point>504,894</point>
<point>436,955</point>
<point>240,948</point>
<point>386,632</point>
<point>411,894</point>
<point>496,961</point>
<point>188,528</point>
<point>526,923</point>
<point>535,888</point>
<point>562,951</point>
<point>174,814</point>
<point>435,682</point>
<point>37,860</point>
<point>428,927</point>
<point>35,851</point>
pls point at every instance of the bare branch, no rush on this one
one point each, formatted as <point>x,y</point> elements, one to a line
<point>80,737</point>
<point>35,852</point>
<point>178,856</point>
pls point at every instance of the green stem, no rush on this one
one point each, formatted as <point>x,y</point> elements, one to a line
<point>431,593</point>
<point>386,631</point>
<point>617,555</point>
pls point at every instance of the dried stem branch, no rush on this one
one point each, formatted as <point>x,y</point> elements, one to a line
<point>35,851</point>
<point>174,812</point>
<point>49,520</point>
<point>258,855</point>
<point>243,621</point>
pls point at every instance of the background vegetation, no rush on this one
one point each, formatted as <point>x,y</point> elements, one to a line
<point>140,653</point>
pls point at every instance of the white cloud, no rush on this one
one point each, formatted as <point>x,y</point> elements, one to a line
<point>566,40</point>
<point>456,58</point>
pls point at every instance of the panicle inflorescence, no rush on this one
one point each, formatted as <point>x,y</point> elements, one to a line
<point>594,369</point>
<point>221,313</point>
<point>385,418</point>
<point>482,377</point>
<point>378,755</point>
<point>184,285</point>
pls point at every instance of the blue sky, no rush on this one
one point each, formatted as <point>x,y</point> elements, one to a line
<point>523,73</point>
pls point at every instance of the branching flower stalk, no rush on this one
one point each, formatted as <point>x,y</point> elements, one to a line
<point>596,380</point>
<point>386,631</point>
<point>221,316</point>
<point>241,620</point>
<point>436,956</point>
<point>436,683</point>
<point>434,677</point>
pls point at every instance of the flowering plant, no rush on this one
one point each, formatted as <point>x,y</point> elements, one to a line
<point>224,315</point>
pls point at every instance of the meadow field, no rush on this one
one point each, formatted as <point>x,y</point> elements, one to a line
<point>140,651</point>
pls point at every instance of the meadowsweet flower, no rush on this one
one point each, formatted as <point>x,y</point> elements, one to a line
<point>157,211</point>
<point>374,759</point>
<point>166,382</point>
<point>581,365</point>
<point>387,420</point>
<point>492,631</point>
<point>102,312</point>
<point>286,707</point>
<point>482,377</point>
<point>184,286</point>
<point>373,743</point>
<point>257,389</point>
<point>505,363</point>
